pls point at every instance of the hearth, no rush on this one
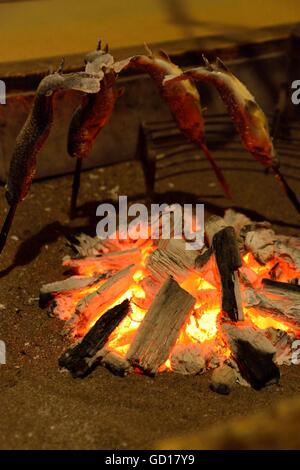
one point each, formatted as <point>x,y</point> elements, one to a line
<point>151,306</point>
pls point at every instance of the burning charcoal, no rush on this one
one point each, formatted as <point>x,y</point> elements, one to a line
<point>275,271</point>
<point>160,328</point>
<point>223,379</point>
<point>261,244</point>
<point>113,261</point>
<point>203,258</point>
<point>253,226</point>
<point>286,305</point>
<point>187,359</point>
<point>292,242</point>
<point>282,342</point>
<point>228,261</point>
<point>248,277</point>
<point>288,252</point>
<point>236,220</point>
<point>88,308</point>
<point>280,287</point>
<point>116,363</point>
<point>85,245</point>
<point>151,286</point>
<point>171,258</point>
<point>254,354</point>
<point>80,359</point>
<point>48,291</point>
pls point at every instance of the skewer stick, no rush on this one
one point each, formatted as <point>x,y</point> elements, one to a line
<point>217,170</point>
<point>75,187</point>
<point>287,189</point>
<point>7,225</point>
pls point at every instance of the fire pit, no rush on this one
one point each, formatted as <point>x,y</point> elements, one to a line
<point>149,306</point>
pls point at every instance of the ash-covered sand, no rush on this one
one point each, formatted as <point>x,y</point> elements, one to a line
<point>43,408</point>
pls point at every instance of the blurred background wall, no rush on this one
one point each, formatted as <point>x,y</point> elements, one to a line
<point>43,28</point>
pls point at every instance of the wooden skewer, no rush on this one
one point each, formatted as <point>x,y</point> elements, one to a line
<point>7,225</point>
<point>75,187</point>
<point>287,189</point>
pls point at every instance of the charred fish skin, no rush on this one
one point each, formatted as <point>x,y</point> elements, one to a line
<point>36,130</point>
<point>29,142</point>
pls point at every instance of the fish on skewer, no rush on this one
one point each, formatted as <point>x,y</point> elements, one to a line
<point>94,112</point>
<point>247,116</point>
<point>183,100</point>
<point>34,134</point>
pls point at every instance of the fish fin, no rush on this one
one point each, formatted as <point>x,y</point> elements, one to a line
<point>164,55</point>
<point>207,63</point>
<point>221,66</point>
<point>148,50</point>
<point>61,66</point>
<point>99,45</point>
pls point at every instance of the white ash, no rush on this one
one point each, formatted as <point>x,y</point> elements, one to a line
<point>261,243</point>
<point>288,252</point>
<point>234,334</point>
<point>237,220</point>
<point>282,341</point>
<point>213,225</point>
<point>223,379</point>
<point>187,359</point>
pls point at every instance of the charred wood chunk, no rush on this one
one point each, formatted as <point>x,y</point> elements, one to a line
<point>285,306</point>
<point>257,367</point>
<point>289,252</point>
<point>203,259</point>
<point>160,328</point>
<point>171,258</point>
<point>80,358</point>
<point>261,243</point>
<point>228,260</point>
<point>280,287</point>
<point>49,291</point>
<point>116,363</point>
<point>254,355</point>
